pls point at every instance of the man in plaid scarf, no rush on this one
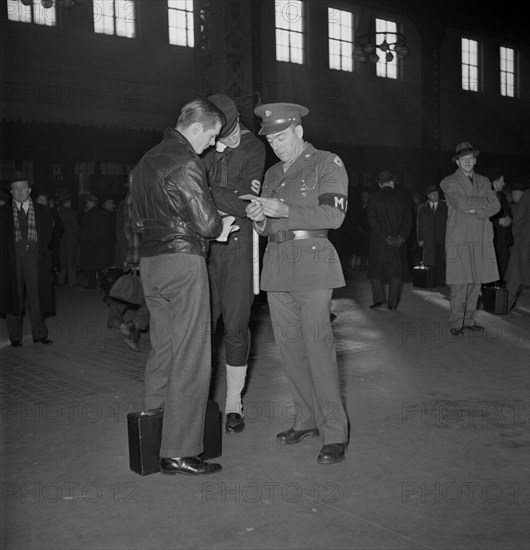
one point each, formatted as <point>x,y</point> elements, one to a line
<point>25,264</point>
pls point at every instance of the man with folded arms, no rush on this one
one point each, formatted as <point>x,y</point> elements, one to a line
<point>470,255</point>
<point>303,196</point>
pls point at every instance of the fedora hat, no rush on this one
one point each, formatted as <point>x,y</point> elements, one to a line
<point>384,176</point>
<point>431,189</point>
<point>463,149</point>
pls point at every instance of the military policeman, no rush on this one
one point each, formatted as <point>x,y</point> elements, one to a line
<point>303,196</point>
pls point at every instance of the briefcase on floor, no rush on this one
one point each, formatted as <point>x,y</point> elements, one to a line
<point>423,276</point>
<point>145,434</point>
<point>495,300</point>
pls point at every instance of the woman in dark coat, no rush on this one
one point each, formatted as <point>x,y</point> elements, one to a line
<point>502,221</point>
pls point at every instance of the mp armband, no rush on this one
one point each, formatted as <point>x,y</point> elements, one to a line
<point>334,199</point>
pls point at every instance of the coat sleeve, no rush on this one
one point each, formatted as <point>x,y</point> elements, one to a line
<point>190,182</point>
<point>227,199</point>
<point>330,211</point>
<point>485,205</point>
<point>419,223</point>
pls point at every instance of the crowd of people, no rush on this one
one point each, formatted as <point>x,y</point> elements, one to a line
<point>388,233</point>
<point>194,207</point>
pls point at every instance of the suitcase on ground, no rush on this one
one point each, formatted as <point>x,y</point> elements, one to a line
<point>145,434</point>
<point>495,300</point>
<point>423,276</point>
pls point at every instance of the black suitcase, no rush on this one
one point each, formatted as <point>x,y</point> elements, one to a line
<point>495,300</point>
<point>145,434</point>
<point>423,276</point>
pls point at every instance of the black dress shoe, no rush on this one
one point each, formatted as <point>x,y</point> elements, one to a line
<point>234,423</point>
<point>391,308</point>
<point>291,436</point>
<point>188,465</point>
<point>332,453</point>
<point>16,343</point>
<point>376,304</point>
<point>43,341</point>
<point>456,331</point>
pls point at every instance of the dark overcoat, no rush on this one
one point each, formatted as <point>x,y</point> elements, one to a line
<point>518,270</point>
<point>9,302</point>
<point>389,215</point>
<point>97,239</point>
<point>430,229</point>
<point>69,247</point>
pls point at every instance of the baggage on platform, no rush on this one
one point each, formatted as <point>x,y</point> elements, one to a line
<point>145,434</point>
<point>495,299</point>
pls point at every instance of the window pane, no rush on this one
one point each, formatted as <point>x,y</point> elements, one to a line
<point>180,15</point>
<point>340,39</point>
<point>16,11</point>
<point>43,16</point>
<point>125,18</point>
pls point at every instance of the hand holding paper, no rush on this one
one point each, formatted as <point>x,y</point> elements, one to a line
<point>227,228</point>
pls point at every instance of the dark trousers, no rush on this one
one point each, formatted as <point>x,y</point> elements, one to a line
<point>177,374</point>
<point>27,266</point>
<point>120,312</point>
<point>231,296</point>
<point>379,292</point>
<point>303,334</point>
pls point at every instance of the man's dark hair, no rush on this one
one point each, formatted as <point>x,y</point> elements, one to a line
<point>202,111</point>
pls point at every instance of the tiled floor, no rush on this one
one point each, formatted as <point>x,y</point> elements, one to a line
<point>438,455</point>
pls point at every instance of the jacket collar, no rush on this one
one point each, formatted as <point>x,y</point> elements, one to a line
<point>172,134</point>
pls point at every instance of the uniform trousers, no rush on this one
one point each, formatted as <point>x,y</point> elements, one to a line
<point>27,266</point>
<point>230,273</point>
<point>303,334</point>
<point>463,304</point>
<point>177,374</point>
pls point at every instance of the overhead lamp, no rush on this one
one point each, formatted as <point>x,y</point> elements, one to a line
<point>390,43</point>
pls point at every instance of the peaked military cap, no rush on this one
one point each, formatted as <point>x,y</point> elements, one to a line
<point>279,116</point>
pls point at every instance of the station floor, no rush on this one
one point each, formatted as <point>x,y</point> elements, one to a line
<point>438,455</point>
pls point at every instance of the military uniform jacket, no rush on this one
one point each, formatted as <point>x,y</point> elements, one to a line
<point>315,187</point>
<point>469,250</point>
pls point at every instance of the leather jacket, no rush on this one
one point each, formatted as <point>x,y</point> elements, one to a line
<point>171,203</point>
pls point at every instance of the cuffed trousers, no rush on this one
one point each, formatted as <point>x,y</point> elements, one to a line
<point>177,374</point>
<point>463,304</point>
<point>303,334</point>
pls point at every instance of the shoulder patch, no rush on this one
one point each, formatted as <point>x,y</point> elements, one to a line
<point>337,161</point>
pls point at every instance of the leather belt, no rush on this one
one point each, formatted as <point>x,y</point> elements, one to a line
<point>284,235</point>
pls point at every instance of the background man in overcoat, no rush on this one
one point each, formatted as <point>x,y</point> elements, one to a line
<point>303,196</point>
<point>430,230</point>
<point>390,219</point>
<point>25,264</point>
<point>469,250</point>
<point>235,168</point>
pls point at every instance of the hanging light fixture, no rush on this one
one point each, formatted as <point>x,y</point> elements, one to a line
<point>47,3</point>
<point>391,44</point>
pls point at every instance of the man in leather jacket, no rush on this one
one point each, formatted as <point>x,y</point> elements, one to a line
<point>173,210</point>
